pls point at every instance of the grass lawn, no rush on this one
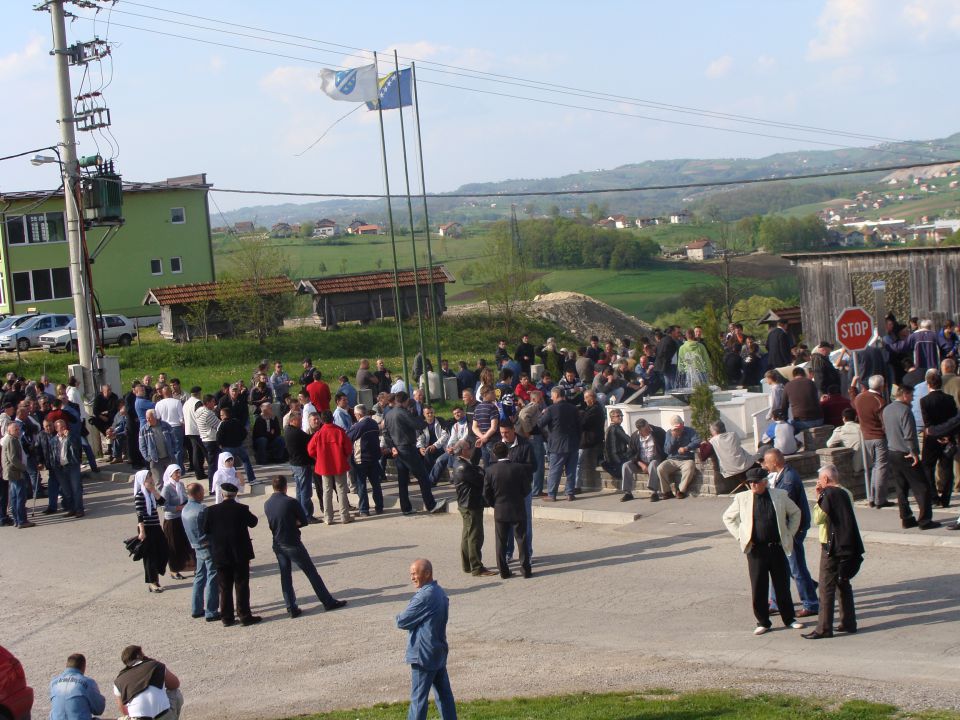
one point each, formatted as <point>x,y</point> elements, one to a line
<point>333,351</point>
<point>652,705</point>
<point>638,292</point>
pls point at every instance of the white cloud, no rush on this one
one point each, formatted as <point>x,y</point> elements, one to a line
<point>216,64</point>
<point>720,67</point>
<point>842,27</point>
<point>288,84</point>
<point>766,64</point>
<point>20,62</point>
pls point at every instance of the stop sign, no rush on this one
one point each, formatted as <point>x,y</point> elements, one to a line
<point>854,328</point>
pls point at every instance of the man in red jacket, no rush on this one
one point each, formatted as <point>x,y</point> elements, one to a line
<point>319,392</point>
<point>330,449</point>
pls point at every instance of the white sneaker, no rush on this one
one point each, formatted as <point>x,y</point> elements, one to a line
<point>797,625</point>
<point>761,630</point>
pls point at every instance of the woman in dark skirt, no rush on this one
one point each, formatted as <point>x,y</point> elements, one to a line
<point>180,554</point>
<point>148,503</point>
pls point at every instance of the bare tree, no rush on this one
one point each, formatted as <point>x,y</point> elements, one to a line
<point>197,317</point>
<point>246,294</point>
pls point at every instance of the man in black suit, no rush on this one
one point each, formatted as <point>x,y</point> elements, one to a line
<point>779,344</point>
<point>646,452</point>
<point>226,525</point>
<point>937,407</point>
<point>561,424</point>
<point>666,350</point>
<point>506,484</point>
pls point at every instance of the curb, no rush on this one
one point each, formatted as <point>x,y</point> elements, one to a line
<point>888,538</point>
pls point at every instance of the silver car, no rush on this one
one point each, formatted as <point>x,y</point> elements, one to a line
<point>27,334</point>
<point>115,329</point>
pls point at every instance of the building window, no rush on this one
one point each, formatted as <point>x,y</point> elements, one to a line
<point>156,267</point>
<point>43,284</point>
<point>38,228</point>
<point>176,265</point>
<point>178,216</point>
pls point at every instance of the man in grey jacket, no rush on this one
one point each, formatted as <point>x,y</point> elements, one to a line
<point>903,456</point>
<point>15,472</point>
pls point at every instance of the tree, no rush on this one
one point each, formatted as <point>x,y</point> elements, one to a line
<point>554,211</point>
<point>243,293</point>
<point>321,267</point>
<point>343,266</point>
<point>503,277</point>
<point>703,410</point>
<point>710,324</point>
<point>197,316</point>
<point>306,229</point>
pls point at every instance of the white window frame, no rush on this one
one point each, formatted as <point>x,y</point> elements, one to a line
<point>159,262</point>
<point>33,299</point>
<point>40,222</point>
<point>183,216</point>
<point>179,260</point>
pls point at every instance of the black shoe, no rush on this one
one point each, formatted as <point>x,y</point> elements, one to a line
<point>655,497</point>
<point>871,504</point>
<point>930,525</point>
<point>251,620</point>
<point>527,573</point>
<point>844,629</point>
<point>214,617</point>
<point>228,622</point>
<point>48,511</point>
<point>878,506</point>
<point>953,526</point>
<point>626,497</point>
<point>70,513</point>
<point>506,575</point>
<point>337,604</point>
<point>577,491</point>
<point>295,612</point>
<point>196,615</point>
<point>313,520</point>
<point>814,635</point>
<point>910,522</point>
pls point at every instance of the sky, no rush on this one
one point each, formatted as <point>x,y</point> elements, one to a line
<point>870,67</point>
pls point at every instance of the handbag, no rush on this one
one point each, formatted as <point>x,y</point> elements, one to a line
<point>134,546</point>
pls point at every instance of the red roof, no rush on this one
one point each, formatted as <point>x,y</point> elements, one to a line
<point>361,228</point>
<point>198,292</point>
<point>360,282</point>
<point>699,244</point>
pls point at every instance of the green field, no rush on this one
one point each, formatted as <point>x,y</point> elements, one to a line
<point>654,705</point>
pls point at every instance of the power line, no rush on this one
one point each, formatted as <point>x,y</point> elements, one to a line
<point>550,102</point>
<point>543,85</point>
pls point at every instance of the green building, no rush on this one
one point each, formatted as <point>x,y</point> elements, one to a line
<point>165,240</point>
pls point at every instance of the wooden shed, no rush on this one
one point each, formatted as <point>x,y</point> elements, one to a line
<point>182,306</point>
<point>791,315</point>
<point>363,297</point>
<point>908,282</point>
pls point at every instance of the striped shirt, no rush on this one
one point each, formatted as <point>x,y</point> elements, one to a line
<point>484,415</point>
<point>141,504</point>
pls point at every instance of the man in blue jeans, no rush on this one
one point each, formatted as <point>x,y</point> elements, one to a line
<point>784,477</point>
<point>230,436</point>
<point>301,464</point>
<point>561,424</point>
<point>425,618</point>
<point>285,517</point>
<point>205,582</point>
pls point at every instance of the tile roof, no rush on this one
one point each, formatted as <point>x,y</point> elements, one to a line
<point>339,284</point>
<point>699,244</point>
<point>196,292</point>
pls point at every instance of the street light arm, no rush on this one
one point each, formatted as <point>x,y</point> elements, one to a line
<point>32,152</point>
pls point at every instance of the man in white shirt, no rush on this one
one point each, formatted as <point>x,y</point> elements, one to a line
<point>144,687</point>
<point>170,410</point>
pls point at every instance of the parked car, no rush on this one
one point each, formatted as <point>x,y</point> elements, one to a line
<point>117,330</point>
<point>27,334</point>
<point>13,320</point>
<point>16,697</point>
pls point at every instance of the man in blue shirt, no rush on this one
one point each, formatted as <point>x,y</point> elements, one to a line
<point>205,581</point>
<point>426,620</point>
<point>680,447</point>
<point>74,696</point>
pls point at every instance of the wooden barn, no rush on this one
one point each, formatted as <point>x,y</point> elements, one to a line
<point>193,311</point>
<point>369,296</point>
<point>908,282</point>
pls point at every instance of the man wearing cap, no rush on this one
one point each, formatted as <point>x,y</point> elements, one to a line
<point>903,453</point>
<point>227,524</point>
<point>680,446</point>
<point>764,521</point>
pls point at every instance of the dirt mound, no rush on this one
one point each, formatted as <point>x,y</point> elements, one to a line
<point>581,315</point>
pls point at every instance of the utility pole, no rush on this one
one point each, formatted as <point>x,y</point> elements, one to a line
<point>81,291</point>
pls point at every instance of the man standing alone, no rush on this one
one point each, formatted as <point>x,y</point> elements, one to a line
<point>425,617</point>
<point>285,516</point>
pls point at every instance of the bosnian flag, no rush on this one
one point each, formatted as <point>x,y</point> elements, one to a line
<point>353,85</point>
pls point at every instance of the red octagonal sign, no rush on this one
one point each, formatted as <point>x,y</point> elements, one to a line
<point>854,328</point>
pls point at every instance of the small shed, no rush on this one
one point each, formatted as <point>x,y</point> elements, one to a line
<point>182,307</point>
<point>908,282</point>
<point>791,315</point>
<point>701,249</point>
<point>363,297</point>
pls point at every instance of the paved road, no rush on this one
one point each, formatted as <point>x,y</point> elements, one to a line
<point>656,603</point>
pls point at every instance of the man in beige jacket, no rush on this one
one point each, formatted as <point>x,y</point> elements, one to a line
<point>764,521</point>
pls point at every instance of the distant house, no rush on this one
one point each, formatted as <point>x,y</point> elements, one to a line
<point>701,249</point>
<point>606,223</point>
<point>854,238</point>
<point>352,227</point>
<point>281,230</point>
<point>646,222</point>
<point>451,229</point>
<point>244,226</point>
<point>326,228</point>
<point>367,230</point>
<point>680,218</point>
<point>619,221</point>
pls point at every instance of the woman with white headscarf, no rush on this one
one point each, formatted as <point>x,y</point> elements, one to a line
<point>180,554</point>
<point>226,473</point>
<point>148,501</point>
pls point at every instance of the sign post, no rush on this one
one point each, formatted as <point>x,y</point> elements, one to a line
<point>854,330</point>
